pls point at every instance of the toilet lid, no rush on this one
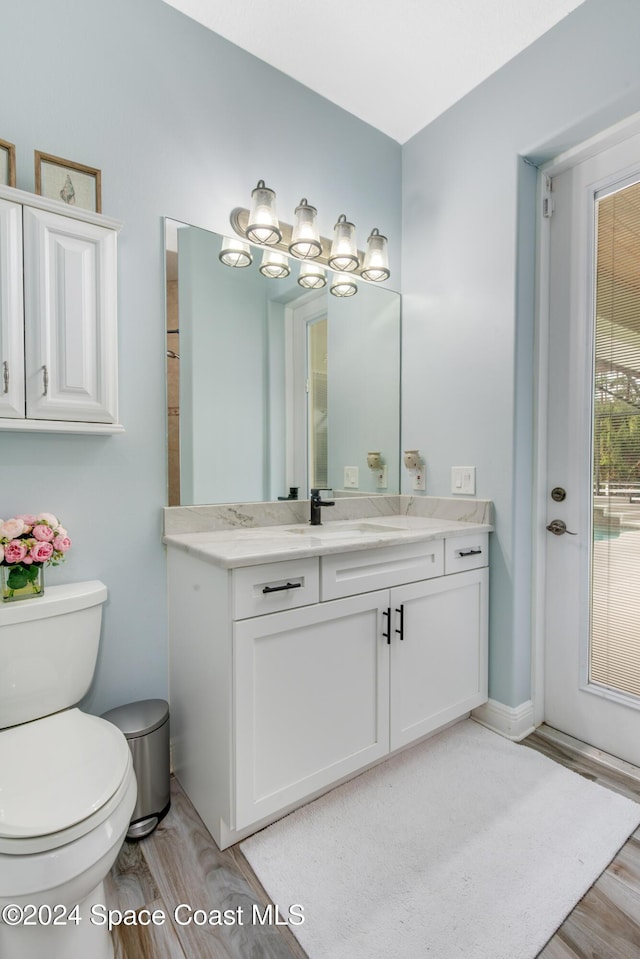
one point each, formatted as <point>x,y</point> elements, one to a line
<point>57,771</point>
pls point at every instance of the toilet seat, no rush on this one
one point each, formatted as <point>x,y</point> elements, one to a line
<point>60,777</point>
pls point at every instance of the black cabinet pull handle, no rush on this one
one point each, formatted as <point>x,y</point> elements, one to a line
<point>278,589</point>
<point>387,635</point>
<point>401,630</point>
<point>468,552</point>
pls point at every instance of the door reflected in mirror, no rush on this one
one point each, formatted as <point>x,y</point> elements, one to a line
<point>272,388</point>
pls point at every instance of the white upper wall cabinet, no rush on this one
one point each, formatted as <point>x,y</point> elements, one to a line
<point>58,349</point>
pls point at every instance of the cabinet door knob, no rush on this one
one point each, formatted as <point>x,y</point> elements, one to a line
<point>401,630</point>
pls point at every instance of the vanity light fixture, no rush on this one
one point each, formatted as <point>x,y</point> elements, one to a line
<point>305,242</point>
<point>343,284</point>
<point>274,265</point>
<point>312,276</point>
<point>260,225</point>
<point>376,261</point>
<point>263,226</point>
<point>235,253</point>
<point>344,254</point>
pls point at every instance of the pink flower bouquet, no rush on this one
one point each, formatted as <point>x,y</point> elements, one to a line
<point>27,543</point>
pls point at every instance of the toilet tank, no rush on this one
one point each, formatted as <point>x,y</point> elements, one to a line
<point>48,650</point>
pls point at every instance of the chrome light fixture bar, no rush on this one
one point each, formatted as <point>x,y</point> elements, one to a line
<point>260,225</point>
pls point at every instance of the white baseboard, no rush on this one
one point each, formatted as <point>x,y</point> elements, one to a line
<point>513,722</point>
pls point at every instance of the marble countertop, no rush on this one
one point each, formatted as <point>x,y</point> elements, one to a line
<point>231,548</point>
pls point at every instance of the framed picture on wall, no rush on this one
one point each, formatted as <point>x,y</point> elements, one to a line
<point>7,163</point>
<point>73,183</point>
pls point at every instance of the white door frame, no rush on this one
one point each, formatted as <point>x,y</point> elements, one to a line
<point>602,141</point>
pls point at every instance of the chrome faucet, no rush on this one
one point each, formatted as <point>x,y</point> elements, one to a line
<point>316,507</point>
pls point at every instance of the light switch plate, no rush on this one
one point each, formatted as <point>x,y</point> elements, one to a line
<point>351,479</point>
<point>463,480</point>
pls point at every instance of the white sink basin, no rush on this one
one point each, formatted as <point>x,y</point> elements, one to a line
<point>348,530</point>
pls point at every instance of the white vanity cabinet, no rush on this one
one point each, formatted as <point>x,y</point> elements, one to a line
<point>58,317</point>
<point>290,677</point>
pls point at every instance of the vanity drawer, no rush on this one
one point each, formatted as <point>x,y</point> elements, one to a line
<point>274,587</point>
<point>466,552</point>
<point>345,574</point>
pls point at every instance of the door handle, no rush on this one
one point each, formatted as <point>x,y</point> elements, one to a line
<point>558,527</point>
<point>401,630</point>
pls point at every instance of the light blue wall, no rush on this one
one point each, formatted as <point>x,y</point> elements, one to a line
<point>182,124</point>
<point>468,282</point>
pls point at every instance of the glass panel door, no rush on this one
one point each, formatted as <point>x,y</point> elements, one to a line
<point>614,654</point>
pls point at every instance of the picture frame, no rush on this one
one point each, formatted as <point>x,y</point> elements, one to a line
<point>7,163</point>
<point>67,181</point>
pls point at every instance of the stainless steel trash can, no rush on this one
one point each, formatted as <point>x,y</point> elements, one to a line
<point>146,727</point>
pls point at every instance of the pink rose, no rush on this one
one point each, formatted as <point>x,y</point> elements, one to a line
<point>15,551</point>
<point>41,552</point>
<point>61,531</point>
<point>28,560</point>
<point>43,533</point>
<point>48,518</point>
<point>29,518</point>
<point>61,544</point>
<point>12,528</point>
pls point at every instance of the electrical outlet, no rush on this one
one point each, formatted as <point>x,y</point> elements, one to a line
<point>420,479</point>
<point>463,480</point>
<point>381,478</point>
<point>351,480</point>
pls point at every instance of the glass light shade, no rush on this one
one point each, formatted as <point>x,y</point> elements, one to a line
<point>263,224</point>
<point>343,285</point>
<point>344,253</point>
<point>274,265</point>
<point>305,242</point>
<point>235,252</point>
<point>376,260</point>
<point>312,276</point>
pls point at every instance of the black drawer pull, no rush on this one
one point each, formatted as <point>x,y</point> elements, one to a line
<point>401,630</point>
<point>387,612</point>
<point>468,552</point>
<point>278,589</point>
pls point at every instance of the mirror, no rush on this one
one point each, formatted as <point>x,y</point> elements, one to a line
<point>273,389</point>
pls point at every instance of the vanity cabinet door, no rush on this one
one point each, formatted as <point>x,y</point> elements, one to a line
<point>311,701</point>
<point>70,318</point>
<point>439,666</point>
<point>11,311</point>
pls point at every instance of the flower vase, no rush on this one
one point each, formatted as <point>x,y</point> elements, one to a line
<point>21,582</point>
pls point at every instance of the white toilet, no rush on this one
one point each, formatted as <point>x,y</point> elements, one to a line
<point>67,785</point>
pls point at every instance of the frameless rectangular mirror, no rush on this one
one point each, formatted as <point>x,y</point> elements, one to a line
<point>272,388</point>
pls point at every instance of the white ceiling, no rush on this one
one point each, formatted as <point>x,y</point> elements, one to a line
<point>397,64</point>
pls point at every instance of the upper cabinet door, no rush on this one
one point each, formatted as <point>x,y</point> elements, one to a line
<point>11,311</point>
<point>70,319</point>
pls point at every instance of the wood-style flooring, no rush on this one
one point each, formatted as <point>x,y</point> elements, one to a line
<point>180,863</point>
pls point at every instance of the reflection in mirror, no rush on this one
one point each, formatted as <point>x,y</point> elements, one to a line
<point>272,388</point>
